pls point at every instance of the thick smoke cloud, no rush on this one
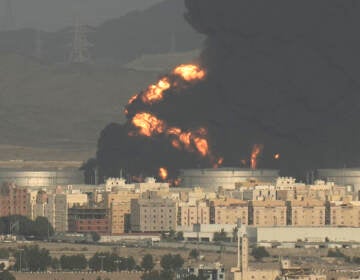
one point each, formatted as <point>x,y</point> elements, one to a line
<point>280,73</point>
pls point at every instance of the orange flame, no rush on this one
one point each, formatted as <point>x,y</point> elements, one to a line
<point>277,156</point>
<point>156,92</point>
<point>133,98</point>
<point>218,163</point>
<point>176,144</point>
<point>163,173</point>
<point>148,124</point>
<point>202,146</point>
<point>256,151</point>
<point>189,72</point>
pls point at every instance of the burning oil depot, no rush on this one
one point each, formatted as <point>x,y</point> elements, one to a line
<point>225,177</point>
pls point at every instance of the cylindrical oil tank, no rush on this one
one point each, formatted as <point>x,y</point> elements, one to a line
<point>341,176</point>
<point>42,178</point>
<point>224,177</point>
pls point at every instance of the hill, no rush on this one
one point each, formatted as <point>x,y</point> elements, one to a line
<point>61,107</point>
<point>158,29</point>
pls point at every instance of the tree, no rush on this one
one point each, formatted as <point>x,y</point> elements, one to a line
<point>42,229</point>
<point>335,254</point>
<point>259,253</point>
<point>166,262</point>
<point>95,236</point>
<point>178,262</point>
<point>221,236</point>
<point>147,262</point>
<point>180,236</point>
<point>33,258</point>
<point>6,275</point>
<point>171,262</point>
<point>55,263</point>
<point>75,262</point>
<point>194,254</point>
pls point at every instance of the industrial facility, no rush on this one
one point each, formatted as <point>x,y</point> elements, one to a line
<point>225,177</point>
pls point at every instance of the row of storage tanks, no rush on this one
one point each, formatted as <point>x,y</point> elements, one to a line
<point>207,178</point>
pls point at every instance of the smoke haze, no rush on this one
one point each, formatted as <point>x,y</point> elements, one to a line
<point>279,73</point>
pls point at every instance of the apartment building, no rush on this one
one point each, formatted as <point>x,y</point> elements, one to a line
<point>193,213</point>
<point>306,213</point>
<point>119,210</point>
<point>260,193</point>
<point>13,200</point>
<point>87,220</point>
<point>344,214</point>
<point>267,213</point>
<point>153,214</point>
<point>229,211</point>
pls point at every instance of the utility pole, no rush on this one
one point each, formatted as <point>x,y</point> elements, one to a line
<point>80,46</point>
<point>102,262</point>
<point>20,265</point>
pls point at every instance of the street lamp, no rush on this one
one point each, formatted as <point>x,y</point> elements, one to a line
<point>102,262</point>
<point>20,252</point>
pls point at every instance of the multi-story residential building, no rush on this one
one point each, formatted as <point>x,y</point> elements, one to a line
<point>343,214</point>
<point>267,213</point>
<point>150,184</point>
<point>118,204</point>
<point>306,213</point>
<point>87,220</point>
<point>57,211</point>
<point>193,213</point>
<point>153,214</point>
<point>260,193</point>
<point>13,200</point>
<point>285,195</point>
<point>229,211</point>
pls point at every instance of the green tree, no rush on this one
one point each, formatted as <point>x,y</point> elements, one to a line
<point>180,236</point>
<point>55,263</point>
<point>42,229</point>
<point>171,262</point>
<point>178,262</point>
<point>95,236</point>
<point>335,254</point>
<point>221,236</point>
<point>109,261</point>
<point>194,254</point>
<point>147,262</point>
<point>74,262</point>
<point>6,275</point>
<point>259,253</point>
<point>33,258</point>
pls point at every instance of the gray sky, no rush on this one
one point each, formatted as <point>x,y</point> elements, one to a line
<point>55,14</point>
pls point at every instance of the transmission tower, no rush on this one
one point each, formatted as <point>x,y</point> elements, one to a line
<point>80,47</point>
<point>8,16</point>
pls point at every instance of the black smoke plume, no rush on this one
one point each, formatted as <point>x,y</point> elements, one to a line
<point>285,74</point>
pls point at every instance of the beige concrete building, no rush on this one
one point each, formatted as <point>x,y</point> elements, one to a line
<point>57,211</point>
<point>193,213</point>
<point>229,211</point>
<point>306,213</point>
<point>267,213</point>
<point>153,214</point>
<point>119,208</point>
<point>150,184</point>
<point>263,192</point>
<point>344,214</point>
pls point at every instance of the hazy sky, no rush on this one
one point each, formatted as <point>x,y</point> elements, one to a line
<point>54,14</point>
